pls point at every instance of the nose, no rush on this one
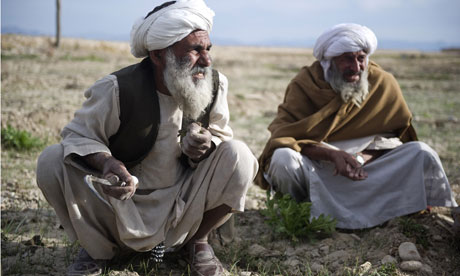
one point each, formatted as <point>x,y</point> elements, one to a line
<point>355,66</point>
<point>205,59</point>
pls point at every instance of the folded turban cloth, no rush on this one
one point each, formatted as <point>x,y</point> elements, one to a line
<point>169,25</point>
<point>343,38</point>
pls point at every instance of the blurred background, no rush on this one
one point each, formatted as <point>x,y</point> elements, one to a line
<point>427,25</point>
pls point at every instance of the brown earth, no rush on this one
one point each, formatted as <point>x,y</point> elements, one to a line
<point>43,86</point>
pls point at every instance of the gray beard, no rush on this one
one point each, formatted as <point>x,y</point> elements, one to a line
<point>192,98</point>
<point>354,92</point>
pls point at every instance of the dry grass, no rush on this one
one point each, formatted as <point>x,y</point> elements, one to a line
<point>42,87</point>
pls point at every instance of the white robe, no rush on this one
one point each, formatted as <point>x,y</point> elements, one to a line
<point>170,200</point>
<point>402,181</point>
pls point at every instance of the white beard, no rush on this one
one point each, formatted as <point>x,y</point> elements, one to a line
<point>192,98</point>
<point>349,91</point>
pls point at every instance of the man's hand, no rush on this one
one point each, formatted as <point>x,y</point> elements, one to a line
<point>111,167</point>
<point>347,165</point>
<point>197,143</point>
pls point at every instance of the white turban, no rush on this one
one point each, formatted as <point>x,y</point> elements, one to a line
<point>169,25</point>
<point>343,38</point>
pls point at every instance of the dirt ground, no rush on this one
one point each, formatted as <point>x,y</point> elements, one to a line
<point>43,86</point>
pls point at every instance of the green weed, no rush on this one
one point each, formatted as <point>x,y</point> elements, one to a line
<point>71,250</point>
<point>18,56</point>
<point>19,140</point>
<point>411,229</point>
<point>388,269</point>
<point>13,226</point>
<point>92,58</point>
<point>291,219</point>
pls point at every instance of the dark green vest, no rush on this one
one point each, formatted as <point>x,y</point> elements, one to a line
<point>140,112</point>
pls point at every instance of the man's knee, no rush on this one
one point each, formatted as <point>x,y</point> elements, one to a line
<point>240,154</point>
<point>426,149</point>
<point>284,161</point>
<point>422,150</point>
<point>49,167</point>
<point>285,174</point>
<point>239,160</point>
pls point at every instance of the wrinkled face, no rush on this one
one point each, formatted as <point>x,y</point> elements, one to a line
<point>351,65</point>
<point>190,86</point>
<point>194,50</point>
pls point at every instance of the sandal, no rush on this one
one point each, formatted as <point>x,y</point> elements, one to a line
<point>203,261</point>
<point>84,265</point>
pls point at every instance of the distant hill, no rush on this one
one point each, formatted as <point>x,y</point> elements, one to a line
<point>218,40</point>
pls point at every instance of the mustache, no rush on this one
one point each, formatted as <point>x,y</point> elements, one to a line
<point>350,73</point>
<point>198,69</point>
<point>186,62</point>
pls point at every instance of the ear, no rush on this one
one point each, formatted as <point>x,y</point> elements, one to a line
<point>156,56</point>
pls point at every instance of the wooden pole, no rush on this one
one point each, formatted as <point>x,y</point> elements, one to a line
<point>58,22</point>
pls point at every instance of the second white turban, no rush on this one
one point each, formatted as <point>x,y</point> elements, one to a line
<point>342,38</point>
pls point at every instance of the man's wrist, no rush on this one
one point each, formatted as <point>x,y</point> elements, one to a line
<point>210,150</point>
<point>97,160</point>
<point>194,162</point>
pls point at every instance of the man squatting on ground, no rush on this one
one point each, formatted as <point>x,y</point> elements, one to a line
<point>128,126</point>
<point>343,139</point>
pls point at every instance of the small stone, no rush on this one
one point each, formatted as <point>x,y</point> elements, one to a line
<point>257,250</point>
<point>408,252</point>
<point>314,253</point>
<point>316,267</point>
<point>335,266</point>
<point>324,250</point>
<point>303,249</point>
<point>290,251</point>
<point>245,273</point>
<point>340,255</point>
<point>344,238</point>
<point>388,260</point>
<point>437,238</point>
<point>426,269</point>
<point>364,268</point>
<point>328,241</point>
<point>354,236</point>
<point>411,265</point>
<point>292,262</point>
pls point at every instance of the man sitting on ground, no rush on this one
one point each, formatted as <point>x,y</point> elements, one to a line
<point>164,121</point>
<point>343,139</point>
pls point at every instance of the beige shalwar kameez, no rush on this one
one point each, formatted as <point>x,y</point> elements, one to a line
<point>170,200</point>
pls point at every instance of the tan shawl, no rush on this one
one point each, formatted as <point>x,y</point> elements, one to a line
<point>312,112</point>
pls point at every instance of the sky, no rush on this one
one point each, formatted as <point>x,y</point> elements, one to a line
<point>422,24</point>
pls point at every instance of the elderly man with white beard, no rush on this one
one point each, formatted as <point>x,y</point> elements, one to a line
<point>158,132</point>
<point>343,139</point>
